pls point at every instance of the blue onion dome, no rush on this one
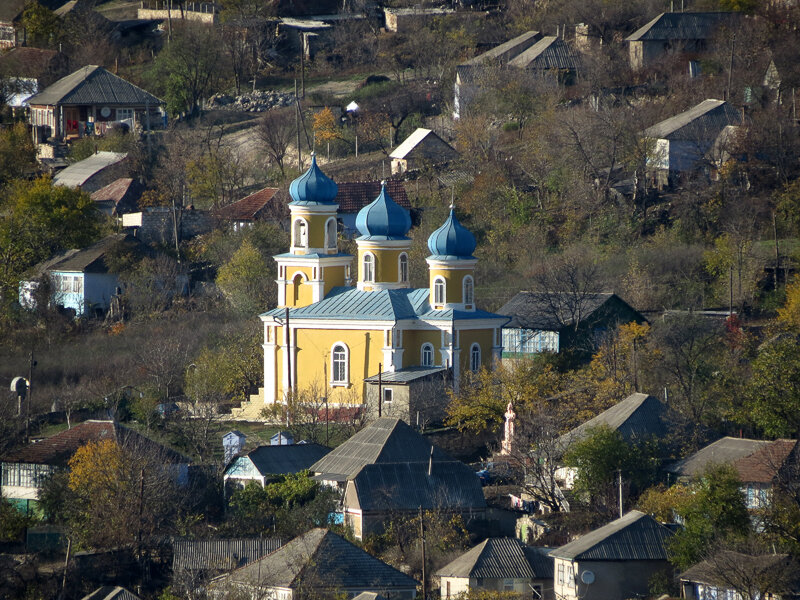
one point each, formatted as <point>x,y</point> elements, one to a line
<point>383,219</point>
<point>452,240</point>
<point>313,187</point>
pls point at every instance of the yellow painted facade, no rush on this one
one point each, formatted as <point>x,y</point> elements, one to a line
<point>386,262</point>
<point>484,338</point>
<point>453,281</point>
<point>412,346</point>
<point>316,230</point>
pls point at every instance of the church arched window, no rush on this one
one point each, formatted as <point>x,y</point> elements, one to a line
<point>469,290</point>
<point>330,233</point>
<point>475,358</point>
<point>439,295</point>
<point>427,355</point>
<point>369,267</point>
<point>340,368</point>
<point>402,268</point>
<point>301,233</point>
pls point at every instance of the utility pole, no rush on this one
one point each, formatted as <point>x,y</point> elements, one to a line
<point>31,364</point>
<point>297,128</point>
<point>380,385</point>
<point>288,338</point>
<point>422,541</point>
<point>303,40</point>
<point>619,474</point>
<point>730,69</point>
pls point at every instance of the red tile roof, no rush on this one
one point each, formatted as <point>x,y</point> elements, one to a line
<point>59,448</point>
<point>248,208</point>
<point>763,465</point>
<point>355,195</point>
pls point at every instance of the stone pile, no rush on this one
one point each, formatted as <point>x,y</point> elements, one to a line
<point>258,101</point>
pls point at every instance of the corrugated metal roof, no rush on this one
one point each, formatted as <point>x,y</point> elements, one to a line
<point>702,122</point>
<point>635,536</point>
<point>550,52</point>
<point>93,85</point>
<point>383,440</point>
<point>79,173</point>
<point>417,138</point>
<point>506,50</point>
<point>407,486</point>
<point>286,458</point>
<point>220,554</point>
<point>406,375</point>
<point>638,416</point>
<point>550,311</point>
<point>325,560</point>
<point>680,26</point>
<point>498,558</point>
<point>111,592</point>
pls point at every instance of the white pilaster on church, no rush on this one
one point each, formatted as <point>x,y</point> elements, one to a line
<point>270,375</point>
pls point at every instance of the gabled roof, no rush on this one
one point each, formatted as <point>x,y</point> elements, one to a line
<point>420,137</point>
<point>497,558</point>
<point>384,440</point>
<point>220,554</point>
<point>25,61</point>
<point>94,85</point>
<point>551,52</point>
<point>779,568</point>
<point>59,448</point>
<point>505,51</point>
<point>111,592</point>
<point>286,458</point>
<point>122,193</point>
<point>638,416</point>
<point>636,536</point>
<point>551,311</point>
<point>77,174</point>
<point>680,26</point>
<point>722,452</point>
<point>347,303</point>
<point>86,260</point>
<point>321,559</point>
<point>702,122</point>
<point>355,195</point>
<point>10,9</point>
<point>451,485</point>
<point>763,465</point>
<point>248,208</point>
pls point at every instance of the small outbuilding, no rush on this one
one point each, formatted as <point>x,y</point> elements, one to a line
<point>94,172</point>
<point>421,148</point>
<point>266,462</point>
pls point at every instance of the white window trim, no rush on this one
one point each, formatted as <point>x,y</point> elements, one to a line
<point>400,258</point>
<point>331,244</point>
<point>437,280</point>
<point>373,263</point>
<point>422,355</point>
<point>475,346</point>
<point>388,392</point>
<point>346,381</point>
<point>471,281</point>
<point>296,237</point>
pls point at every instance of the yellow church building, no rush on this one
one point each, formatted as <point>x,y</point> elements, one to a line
<point>330,334</point>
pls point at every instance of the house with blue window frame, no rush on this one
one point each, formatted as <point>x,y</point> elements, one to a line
<point>80,280</point>
<point>559,321</point>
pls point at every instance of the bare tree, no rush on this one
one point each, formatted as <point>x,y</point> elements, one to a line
<point>277,130</point>
<point>753,574</point>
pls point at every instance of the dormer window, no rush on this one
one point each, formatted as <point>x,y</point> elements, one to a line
<point>439,291</point>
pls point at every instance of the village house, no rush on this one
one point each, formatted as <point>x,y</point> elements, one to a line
<point>80,280</point>
<point>24,470</point>
<point>119,197</point>
<point>559,321</point>
<point>317,564</point>
<point>500,565</point>
<point>681,143</point>
<point>12,31</point>
<point>420,149</point>
<point>417,394</point>
<point>327,336</point>
<point>688,34</point>
<point>472,75</point>
<point>93,172</point>
<point>211,557</point>
<point>89,101</point>
<point>27,70</point>
<point>614,562</point>
<point>736,576</point>
<point>760,464</point>
<point>266,462</point>
<point>549,57</point>
<point>258,206</point>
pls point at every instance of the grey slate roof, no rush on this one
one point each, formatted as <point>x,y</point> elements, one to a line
<point>383,305</point>
<point>723,452</point>
<point>111,592</point>
<point>406,375</point>
<point>385,440</point>
<point>497,558</point>
<point>550,52</point>
<point>80,172</point>
<point>506,50</point>
<point>680,26</point>
<point>550,311</point>
<point>324,560</point>
<point>768,566</point>
<point>86,260</point>
<point>221,554</point>
<point>635,536</point>
<point>93,85</point>
<point>702,122</point>
<point>407,486</point>
<point>636,417</point>
<point>286,458</point>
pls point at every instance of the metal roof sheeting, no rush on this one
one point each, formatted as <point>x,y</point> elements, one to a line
<point>80,172</point>
<point>550,52</point>
<point>506,50</point>
<point>383,440</point>
<point>222,554</point>
<point>552,311</point>
<point>722,452</point>
<point>702,122</point>
<point>93,85</point>
<point>406,375</point>
<point>500,558</point>
<point>111,592</point>
<point>286,458</point>
<point>680,26</point>
<point>407,486</point>
<point>636,536</point>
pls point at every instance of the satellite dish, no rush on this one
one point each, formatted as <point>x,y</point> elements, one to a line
<point>105,112</point>
<point>19,385</point>
<point>587,577</point>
